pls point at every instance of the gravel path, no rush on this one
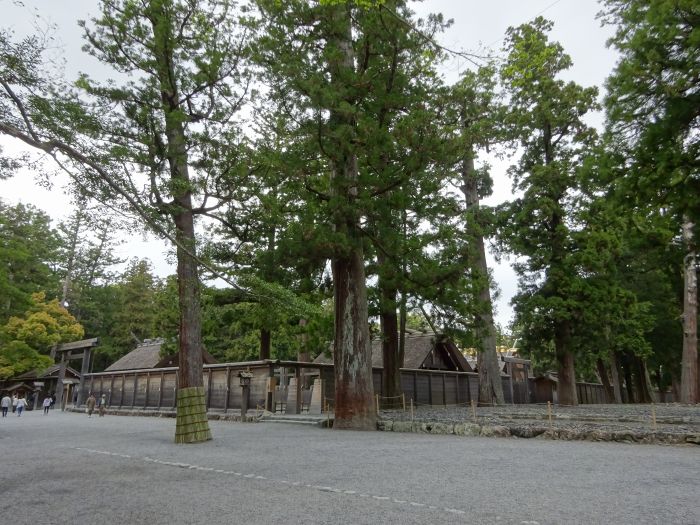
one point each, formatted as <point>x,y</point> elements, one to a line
<point>67,468</point>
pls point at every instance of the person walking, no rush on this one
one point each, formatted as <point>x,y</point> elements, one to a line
<point>5,404</point>
<point>21,403</point>
<point>90,404</point>
<point>14,403</point>
<point>103,405</point>
<point>47,404</point>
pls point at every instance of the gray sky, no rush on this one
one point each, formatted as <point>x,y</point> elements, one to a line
<point>478,24</point>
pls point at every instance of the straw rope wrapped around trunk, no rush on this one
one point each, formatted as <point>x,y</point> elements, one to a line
<point>191,424</point>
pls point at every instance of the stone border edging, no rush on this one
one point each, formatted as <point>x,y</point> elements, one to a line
<point>539,432</point>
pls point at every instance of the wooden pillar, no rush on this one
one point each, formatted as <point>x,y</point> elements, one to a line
<point>430,389</point>
<point>415,387</point>
<point>111,389</point>
<point>148,389</point>
<point>245,400</point>
<point>160,389</point>
<point>84,370</point>
<point>444,390</point>
<point>136,385</point>
<point>209,385</point>
<point>59,381</point>
<point>510,383</point>
<point>228,388</point>
<point>175,390</point>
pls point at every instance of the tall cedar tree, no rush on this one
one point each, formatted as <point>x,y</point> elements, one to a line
<point>402,140</point>
<point>311,50</point>
<point>546,119</point>
<point>476,106</point>
<point>653,110</point>
<point>183,62</point>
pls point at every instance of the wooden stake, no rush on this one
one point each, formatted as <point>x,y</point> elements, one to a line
<point>411,410</point>
<point>403,400</point>
<point>474,411</point>
<point>377,396</point>
<point>549,414</point>
<point>653,416</point>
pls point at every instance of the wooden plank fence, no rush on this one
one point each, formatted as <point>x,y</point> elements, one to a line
<point>155,389</point>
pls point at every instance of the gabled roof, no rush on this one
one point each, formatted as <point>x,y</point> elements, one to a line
<point>147,355</point>
<point>17,386</point>
<point>50,372</point>
<point>416,350</point>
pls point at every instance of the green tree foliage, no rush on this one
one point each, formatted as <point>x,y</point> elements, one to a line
<point>475,110</point>
<point>653,106</point>
<point>653,100</point>
<point>25,341</point>
<point>546,119</point>
<point>28,251</point>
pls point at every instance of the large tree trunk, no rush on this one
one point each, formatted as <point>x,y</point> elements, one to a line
<point>607,387</point>
<point>490,384</point>
<point>191,424</point>
<point>354,389</point>
<point>689,362</point>
<point>565,359</point>
<point>616,377</point>
<point>391,371</point>
<point>74,235</point>
<point>627,372</point>
<point>265,343</point>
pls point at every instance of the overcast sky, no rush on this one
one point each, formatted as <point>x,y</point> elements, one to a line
<point>478,25</point>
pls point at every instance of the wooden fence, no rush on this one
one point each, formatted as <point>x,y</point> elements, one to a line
<point>156,389</point>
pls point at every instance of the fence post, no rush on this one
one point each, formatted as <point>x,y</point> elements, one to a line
<point>228,388</point>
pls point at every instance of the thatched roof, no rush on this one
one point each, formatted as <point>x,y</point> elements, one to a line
<point>417,352</point>
<point>147,355</point>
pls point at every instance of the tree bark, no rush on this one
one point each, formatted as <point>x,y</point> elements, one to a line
<point>607,387</point>
<point>565,358</point>
<point>689,362</point>
<point>616,378</point>
<point>490,384</point>
<point>74,234</point>
<point>191,424</point>
<point>391,371</point>
<point>354,389</point>
<point>265,343</point>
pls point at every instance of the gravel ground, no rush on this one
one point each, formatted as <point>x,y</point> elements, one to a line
<point>67,468</point>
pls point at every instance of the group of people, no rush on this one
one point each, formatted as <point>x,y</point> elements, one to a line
<point>17,404</point>
<point>92,402</point>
